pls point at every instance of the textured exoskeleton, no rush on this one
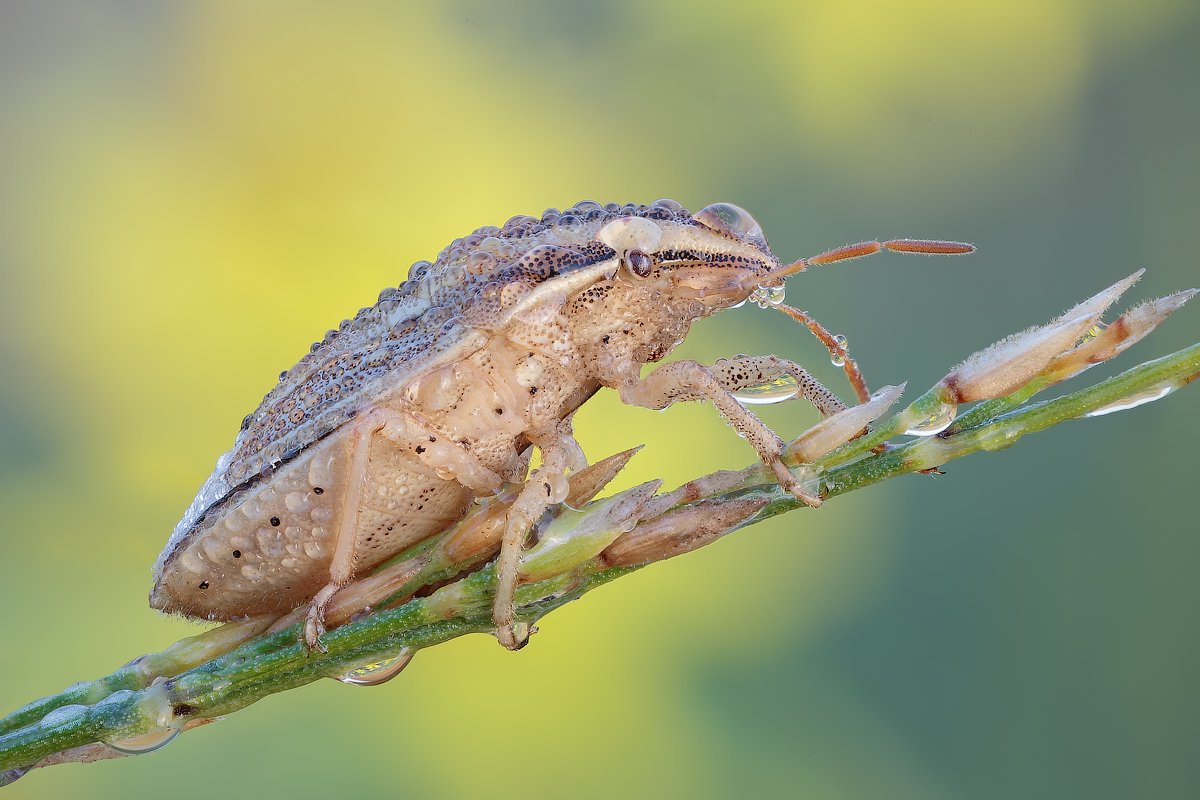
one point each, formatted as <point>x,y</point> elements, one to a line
<point>382,434</point>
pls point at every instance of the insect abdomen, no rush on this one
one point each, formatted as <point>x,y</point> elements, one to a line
<point>269,549</point>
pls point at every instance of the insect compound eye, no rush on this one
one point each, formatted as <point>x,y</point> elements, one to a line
<point>731,220</point>
<point>639,263</point>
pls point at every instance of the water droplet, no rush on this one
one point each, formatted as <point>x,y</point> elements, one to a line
<point>144,742</point>
<point>838,359</point>
<point>297,501</point>
<point>558,487</point>
<point>1092,333</point>
<point>935,422</point>
<point>1135,400</point>
<point>568,222</point>
<point>418,270</point>
<point>774,390</point>
<point>766,296</point>
<point>378,672</point>
<point>63,715</point>
<point>480,261</point>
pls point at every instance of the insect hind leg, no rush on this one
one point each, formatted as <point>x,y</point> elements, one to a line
<point>436,452</point>
<point>341,567</point>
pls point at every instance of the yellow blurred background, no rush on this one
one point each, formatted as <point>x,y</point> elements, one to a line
<point>191,193</point>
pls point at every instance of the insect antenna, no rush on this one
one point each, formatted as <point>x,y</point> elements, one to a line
<point>835,344</point>
<point>929,247</point>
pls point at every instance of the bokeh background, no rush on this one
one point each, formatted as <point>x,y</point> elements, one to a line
<point>191,193</point>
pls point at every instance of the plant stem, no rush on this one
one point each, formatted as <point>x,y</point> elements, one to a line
<point>229,668</point>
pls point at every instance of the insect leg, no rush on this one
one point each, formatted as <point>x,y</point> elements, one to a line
<point>741,372</point>
<point>438,452</point>
<point>545,487</point>
<point>735,374</point>
<point>341,567</point>
<point>681,381</point>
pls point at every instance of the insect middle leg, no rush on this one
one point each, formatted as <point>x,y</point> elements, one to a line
<point>681,381</point>
<point>399,427</point>
<point>546,486</point>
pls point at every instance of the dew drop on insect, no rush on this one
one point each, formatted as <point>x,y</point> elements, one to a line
<point>839,359</point>
<point>378,672</point>
<point>668,204</point>
<point>766,296</point>
<point>144,742</point>
<point>936,422</point>
<point>733,220</point>
<point>1135,400</point>
<point>568,222</point>
<point>774,390</point>
<point>559,488</point>
<point>297,501</point>
<point>419,270</point>
<point>480,261</point>
<point>192,562</point>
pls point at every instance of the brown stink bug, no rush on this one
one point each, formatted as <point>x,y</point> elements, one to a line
<point>384,432</point>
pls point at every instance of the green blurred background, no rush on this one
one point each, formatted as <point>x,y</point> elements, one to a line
<point>192,193</point>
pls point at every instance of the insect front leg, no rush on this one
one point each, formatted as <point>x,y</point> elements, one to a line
<point>741,372</point>
<point>436,451</point>
<point>546,486</point>
<point>682,381</point>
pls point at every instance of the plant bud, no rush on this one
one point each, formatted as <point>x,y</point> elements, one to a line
<point>1125,331</point>
<point>832,432</point>
<point>574,537</point>
<point>681,531</point>
<point>1011,363</point>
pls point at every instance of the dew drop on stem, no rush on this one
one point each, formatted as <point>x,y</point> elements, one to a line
<point>378,672</point>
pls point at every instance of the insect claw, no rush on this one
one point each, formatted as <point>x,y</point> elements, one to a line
<point>792,486</point>
<point>314,622</point>
<point>522,631</point>
<point>515,635</point>
<point>312,636</point>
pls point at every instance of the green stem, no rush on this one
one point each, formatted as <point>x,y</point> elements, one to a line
<point>210,679</point>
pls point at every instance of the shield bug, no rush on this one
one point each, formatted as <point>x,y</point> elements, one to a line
<point>384,432</point>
